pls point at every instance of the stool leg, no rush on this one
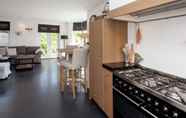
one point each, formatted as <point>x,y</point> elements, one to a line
<point>85,80</point>
<point>62,78</point>
<point>73,84</point>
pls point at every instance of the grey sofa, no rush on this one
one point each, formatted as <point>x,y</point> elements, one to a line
<point>27,51</point>
<point>23,51</point>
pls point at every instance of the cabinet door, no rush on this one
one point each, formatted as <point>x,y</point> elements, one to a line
<point>92,77</point>
<point>98,37</point>
<point>115,36</point>
<point>92,60</point>
<point>99,83</point>
<point>108,97</point>
<point>96,80</point>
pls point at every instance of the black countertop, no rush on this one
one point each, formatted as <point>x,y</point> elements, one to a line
<point>117,66</point>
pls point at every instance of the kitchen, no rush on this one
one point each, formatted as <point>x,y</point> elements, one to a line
<point>150,32</point>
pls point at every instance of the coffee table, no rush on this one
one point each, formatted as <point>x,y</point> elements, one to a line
<point>24,62</point>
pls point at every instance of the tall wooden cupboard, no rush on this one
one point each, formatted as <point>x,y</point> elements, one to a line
<point>107,38</point>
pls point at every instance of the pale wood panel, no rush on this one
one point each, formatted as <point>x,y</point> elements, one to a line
<point>115,37</point>
<point>107,38</point>
<point>98,33</point>
<point>137,6</point>
<point>91,60</point>
<point>96,81</point>
<point>108,99</point>
<point>99,84</point>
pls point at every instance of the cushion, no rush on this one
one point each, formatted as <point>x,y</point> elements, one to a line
<point>38,51</point>
<point>11,52</point>
<point>68,64</point>
<point>21,50</point>
<point>31,50</point>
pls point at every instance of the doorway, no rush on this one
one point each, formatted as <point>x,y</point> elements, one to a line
<point>49,45</point>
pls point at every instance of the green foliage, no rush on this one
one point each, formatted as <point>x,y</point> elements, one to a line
<point>79,36</point>
<point>44,46</point>
<point>54,37</point>
<point>44,43</point>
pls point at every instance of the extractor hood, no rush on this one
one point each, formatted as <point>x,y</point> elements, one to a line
<point>165,11</point>
<point>178,4</point>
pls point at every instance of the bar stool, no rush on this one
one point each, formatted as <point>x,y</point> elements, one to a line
<point>79,61</point>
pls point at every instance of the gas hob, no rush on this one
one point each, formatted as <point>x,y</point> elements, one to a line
<point>165,86</point>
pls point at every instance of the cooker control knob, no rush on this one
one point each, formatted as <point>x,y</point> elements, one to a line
<point>142,95</point>
<point>136,91</point>
<point>165,109</point>
<point>156,103</point>
<point>175,115</point>
<point>130,88</point>
<point>120,82</point>
<point>149,99</point>
<point>124,85</point>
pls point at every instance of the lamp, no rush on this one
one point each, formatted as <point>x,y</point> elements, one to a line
<point>64,38</point>
<point>20,29</point>
<point>28,28</point>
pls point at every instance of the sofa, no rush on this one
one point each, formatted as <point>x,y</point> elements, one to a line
<point>27,51</point>
<point>22,51</point>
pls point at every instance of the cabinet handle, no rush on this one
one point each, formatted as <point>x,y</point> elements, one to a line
<point>126,97</point>
<point>147,111</point>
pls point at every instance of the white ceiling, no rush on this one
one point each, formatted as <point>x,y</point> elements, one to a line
<point>58,10</point>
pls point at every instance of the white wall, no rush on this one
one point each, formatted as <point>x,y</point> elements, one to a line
<point>96,11</point>
<point>31,38</point>
<point>119,3</point>
<point>163,45</point>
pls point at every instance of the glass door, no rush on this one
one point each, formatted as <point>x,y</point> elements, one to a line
<point>49,44</point>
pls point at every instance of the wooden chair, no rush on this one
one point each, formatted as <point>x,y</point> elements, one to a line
<point>79,61</point>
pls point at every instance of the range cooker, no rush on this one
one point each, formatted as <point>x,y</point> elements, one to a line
<point>144,93</point>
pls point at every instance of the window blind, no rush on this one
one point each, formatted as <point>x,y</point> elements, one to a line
<point>48,28</point>
<point>80,26</point>
<point>4,26</point>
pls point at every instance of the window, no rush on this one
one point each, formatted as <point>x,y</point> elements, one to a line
<point>80,37</point>
<point>49,37</point>
<point>4,38</point>
<point>49,44</point>
<point>79,34</point>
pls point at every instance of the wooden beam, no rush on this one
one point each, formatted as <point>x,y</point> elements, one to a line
<point>137,6</point>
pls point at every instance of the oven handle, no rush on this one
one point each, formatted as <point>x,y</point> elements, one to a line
<point>147,111</point>
<point>126,97</point>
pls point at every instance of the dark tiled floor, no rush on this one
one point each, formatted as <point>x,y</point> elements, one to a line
<point>35,94</point>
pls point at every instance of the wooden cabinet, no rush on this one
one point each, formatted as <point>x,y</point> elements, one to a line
<point>108,99</point>
<point>107,38</point>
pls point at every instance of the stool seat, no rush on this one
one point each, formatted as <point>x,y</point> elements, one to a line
<point>68,65</point>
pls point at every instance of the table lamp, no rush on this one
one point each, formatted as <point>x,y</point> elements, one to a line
<point>64,38</point>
